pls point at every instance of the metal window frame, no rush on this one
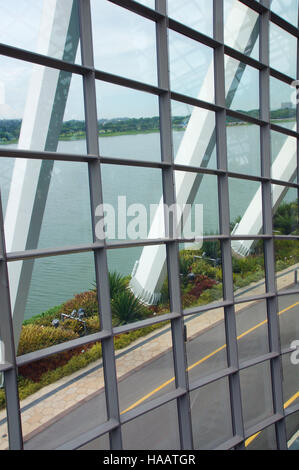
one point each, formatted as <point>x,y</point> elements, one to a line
<point>94,160</point>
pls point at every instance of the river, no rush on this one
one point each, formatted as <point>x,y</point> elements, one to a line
<point>67,215</point>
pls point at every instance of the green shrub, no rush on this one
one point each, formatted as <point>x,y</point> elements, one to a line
<point>35,337</point>
<point>86,300</point>
<point>126,308</point>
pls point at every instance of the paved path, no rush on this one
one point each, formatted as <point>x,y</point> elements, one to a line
<point>56,401</point>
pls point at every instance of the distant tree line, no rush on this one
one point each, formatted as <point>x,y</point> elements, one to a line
<point>10,128</point>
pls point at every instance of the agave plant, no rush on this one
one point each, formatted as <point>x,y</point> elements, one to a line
<point>126,308</point>
<point>117,284</point>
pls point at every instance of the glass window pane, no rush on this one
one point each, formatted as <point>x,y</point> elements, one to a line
<point>201,274</point>
<point>288,310</point>
<point>284,155</point>
<point>155,430</point>
<point>264,440</point>
<point>248,268</point>
<point>290,379</point>
<point>282,104</point>
<point>124,42</point>
<point>287,9</point>
<point>241,28</point>
<point>206,345</point>
<point>191,67</point>
<point>243,147</point>
<point>129,123</point>
<point>41,108</point>
<point>38,27</point>
<point>194,137</point>
<point>197,193</point>
<point>197,14</point>
<point>3,418</point>
<point>138,283</point>
<point>245,200</point>
<point>283,51</point>
<point>133,204</point>
<point>292,425</point>
<point>211,415</point>
<point>241,87</point>
<point>59,285</point>
<point>144,364</point>
<point>256,393</point>
<point>252,330</point>
<point>64,411</point>
<point>101,443</point>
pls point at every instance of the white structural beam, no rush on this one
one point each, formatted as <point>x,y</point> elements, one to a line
<point>41,125</point>
<point>284,168</point>
<point>149,272</point>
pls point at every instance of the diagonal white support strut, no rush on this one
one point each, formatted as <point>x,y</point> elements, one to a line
<point>41,126</point>
<point>149,272</point>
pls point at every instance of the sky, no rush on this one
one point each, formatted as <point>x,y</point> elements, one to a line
<point>124,44</point>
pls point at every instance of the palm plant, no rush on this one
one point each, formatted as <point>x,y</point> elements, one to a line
<point>126,308</point>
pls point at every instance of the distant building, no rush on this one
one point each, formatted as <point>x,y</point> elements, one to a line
<point>287,105</point>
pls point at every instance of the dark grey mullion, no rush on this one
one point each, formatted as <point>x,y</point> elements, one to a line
<point>172,247</point>
<point>15,437</point>
<point>96,198</point>
<point>272,306</point>
<point>224,216</point>
<point>297,117</point>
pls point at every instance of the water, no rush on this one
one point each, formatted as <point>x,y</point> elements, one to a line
<point>67,214</point>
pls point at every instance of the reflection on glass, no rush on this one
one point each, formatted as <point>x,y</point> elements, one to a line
<point>194,137</point>
<point>197,193</point>
<point>241,28</point>
<point>245,200</point>
<point>80,400</point>
<point>41,108</point>
<point>282,104</point>
<point>124,42</point>
<point>285,211</point>
<point>206,348</point>
<point>155,430</point>
<point>144,365</point>
<point>284,156</point>
<point>133,199</point>
<point>191,67</point>
<point>241,87</point>
<point>290,379</point>
<point>292,427</point>
<point>201,274</point>
<point>3,420</point>
<point>283,50</point>
<point>60,285</point>
<point>288,311</point>
<point>197,14</point>
<point>264,440</point>
<point>256,383</point>
<point>38,27</point>
<point>66,218</point>
<point>134,296</point>
<point>252,330</point>
<point>129,123</point>
<point>211,415</point>
<point>243,147</point>
<point>287,9</point>
<point>248,268</point>
<point>101,443</point>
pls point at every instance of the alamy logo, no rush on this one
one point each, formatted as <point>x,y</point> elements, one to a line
<point>295,354</point>
<point>136,221</point>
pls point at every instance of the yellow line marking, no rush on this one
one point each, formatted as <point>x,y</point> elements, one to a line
<point>156,390</point>
<point>286,405</point>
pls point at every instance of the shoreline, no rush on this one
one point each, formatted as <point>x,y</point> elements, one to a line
<point>77,137</point>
